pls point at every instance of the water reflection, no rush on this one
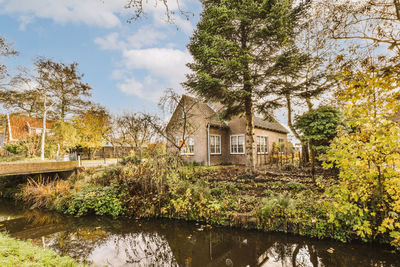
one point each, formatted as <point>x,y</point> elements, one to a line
<point>104,241</point>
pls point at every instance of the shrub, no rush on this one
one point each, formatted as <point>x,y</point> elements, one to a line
<point>276,204</point>
<point>14,148</point>
<point>219,192</point>
<point>98,200</point>
<point>131,159</point>
<point>295,185</point>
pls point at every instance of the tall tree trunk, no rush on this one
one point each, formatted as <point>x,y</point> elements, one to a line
<point>290,122</point>
<point>248,103</point>
<point>304,148</point>
<point>309,104</point>
<point>250,162</point>
<point>305,154</point>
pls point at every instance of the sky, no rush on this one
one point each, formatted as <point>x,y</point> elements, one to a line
<point>128,65</point>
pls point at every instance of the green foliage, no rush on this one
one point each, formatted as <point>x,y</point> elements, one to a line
<point>131,159</point>
<point>98,200</point>
<point>22,253</point>
<point>319,126</point>
<point>14,148</point>
<point>234,48</point>
<point>295,185</point>
<point>219,192</point>
<point>276,204</point>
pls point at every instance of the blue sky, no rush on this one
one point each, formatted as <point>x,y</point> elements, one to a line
<point>128,65</point>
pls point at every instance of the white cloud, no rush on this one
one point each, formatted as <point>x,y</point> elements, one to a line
<point>145,36</point>
<point>90,12</point>
<point>167,63</point>
<point>131,87</point>
<point>163,67</point>
<point>23,21</point>
<point>110,42</point>
<point>149,89</point>
<point>106,13</point>
<point>166,68</point>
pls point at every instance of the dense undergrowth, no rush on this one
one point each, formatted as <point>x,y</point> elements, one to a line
<point>162,187</point>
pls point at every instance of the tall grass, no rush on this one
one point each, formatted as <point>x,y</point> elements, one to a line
<point>277,202</point>
<point>41,193</point>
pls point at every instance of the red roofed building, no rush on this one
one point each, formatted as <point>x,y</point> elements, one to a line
<point>19,127</point>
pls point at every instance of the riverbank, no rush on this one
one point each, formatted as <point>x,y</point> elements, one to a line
<point>15,252</point>
<point>103,241</point>
<point>224,195</point>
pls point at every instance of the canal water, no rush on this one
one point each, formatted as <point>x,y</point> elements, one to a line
<point>107,242</point>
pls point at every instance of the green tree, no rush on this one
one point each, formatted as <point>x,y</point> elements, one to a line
<point>368,156</point>
<point>235,44</point>
<point>319,127</point>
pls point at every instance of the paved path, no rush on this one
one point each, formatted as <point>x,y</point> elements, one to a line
<point>99,162</point>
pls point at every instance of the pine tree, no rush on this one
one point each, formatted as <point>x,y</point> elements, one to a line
<point>235,44</point>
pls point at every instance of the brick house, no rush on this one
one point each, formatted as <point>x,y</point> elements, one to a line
<point>19,127</point>
<point>215,142</point>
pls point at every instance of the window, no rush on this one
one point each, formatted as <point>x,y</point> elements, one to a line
<point>262,145</point>
<point>215,144</point>
<point>237,144</point>
<point>281,145</point>
<point>187,147</point>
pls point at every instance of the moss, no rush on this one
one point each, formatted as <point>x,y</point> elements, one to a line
<point>15,252</point>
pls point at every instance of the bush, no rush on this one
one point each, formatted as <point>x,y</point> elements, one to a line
<point>131,159</point>
<point>276,204</point>
<point>14,148</point>
<point>98,200</point>
<point>295,185</point>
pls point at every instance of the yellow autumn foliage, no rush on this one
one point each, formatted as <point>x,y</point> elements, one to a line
<point>367,154</point>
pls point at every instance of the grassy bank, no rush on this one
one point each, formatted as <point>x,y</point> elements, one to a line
<point>15,252</point>
<point>162,187</point>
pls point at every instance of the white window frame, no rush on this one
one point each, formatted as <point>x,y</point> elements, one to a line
<point>244,144</point>
<point>265,144</point>
<point>220,144</point>
<point>183,148</point>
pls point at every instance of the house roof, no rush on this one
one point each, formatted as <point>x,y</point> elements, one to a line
<point>272,125</point>
<point>210,114</point>
<point>19,125</point>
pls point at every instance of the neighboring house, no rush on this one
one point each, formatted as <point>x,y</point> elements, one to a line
<point>214,142</point>
<point>19,127</point>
